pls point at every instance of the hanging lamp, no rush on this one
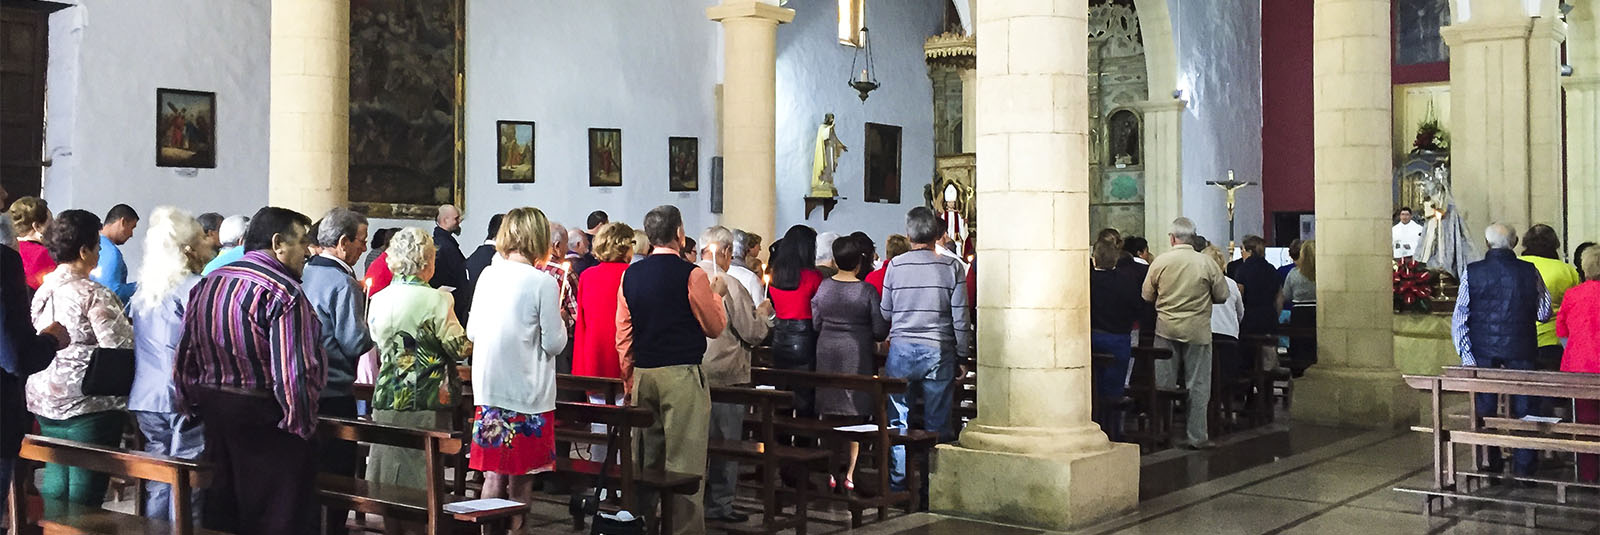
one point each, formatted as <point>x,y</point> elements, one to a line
<point>867,80</point>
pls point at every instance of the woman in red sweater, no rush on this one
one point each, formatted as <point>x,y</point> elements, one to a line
<point>29,216</point>
<point>594,351</point>
<point>1579,323</point>
<point>794,281</point>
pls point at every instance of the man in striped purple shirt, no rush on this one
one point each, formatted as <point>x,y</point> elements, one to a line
<point>252,366</point>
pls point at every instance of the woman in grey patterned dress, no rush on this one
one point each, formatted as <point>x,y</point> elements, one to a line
<point>845,315</point>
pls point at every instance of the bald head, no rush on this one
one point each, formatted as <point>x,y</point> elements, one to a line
<point>449,218</point>
<point>1500,236</point>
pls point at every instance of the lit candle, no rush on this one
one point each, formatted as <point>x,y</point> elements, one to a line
<point>863,75</point>
<point>766,279</point>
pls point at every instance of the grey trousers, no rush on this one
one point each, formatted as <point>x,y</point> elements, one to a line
<point>722,479</point>
<point>173,435</point>
<point>1195,362</point>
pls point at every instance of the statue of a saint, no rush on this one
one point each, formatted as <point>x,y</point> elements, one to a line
<point>826,160</point>
<point>1445,242</point>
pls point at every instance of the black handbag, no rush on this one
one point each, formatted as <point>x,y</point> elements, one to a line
<point>588,505</point>
<point>110,372</point>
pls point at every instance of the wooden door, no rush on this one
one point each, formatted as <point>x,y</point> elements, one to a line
<point>24,41</point>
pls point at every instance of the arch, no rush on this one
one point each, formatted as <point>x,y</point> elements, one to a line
<point>1160,47</point>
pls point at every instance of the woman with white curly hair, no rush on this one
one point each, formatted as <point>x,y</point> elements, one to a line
<point>175,250</point>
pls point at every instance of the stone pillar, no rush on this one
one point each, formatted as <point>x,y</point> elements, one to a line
<point>1505,99</point>
<point>309,114</point>
<point>969,109</point>
<point>1033,456</point>
<point>749,112</point>
<point>1163,168</point>
<point>1583,124</point>
<point>1355,382</point>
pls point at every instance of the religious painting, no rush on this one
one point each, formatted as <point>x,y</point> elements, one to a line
<point>515,163</point>
<point>683,164</point>
<point>406,71</point>
<point>1416,31</point>
<point>882,163</point>
<point>186,128</point>
<point>605,157</point>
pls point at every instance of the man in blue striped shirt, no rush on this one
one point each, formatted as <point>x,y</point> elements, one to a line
<point>925,301</point>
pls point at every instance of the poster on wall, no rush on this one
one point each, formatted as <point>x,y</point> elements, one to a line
<point>186,128</point>
<point>516,152</point>
<point>406,71</point>
<point>882,163</point>
<point>683,163</point>
<point>605,157</point>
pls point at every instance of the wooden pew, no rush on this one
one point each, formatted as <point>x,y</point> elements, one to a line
<point>1502,432</point>
<point>622,473</point>
<point>1154,423</point>
<point>399,502</point>
<point>878,441</point>
<point>184,476</point>
<point>769,454</point>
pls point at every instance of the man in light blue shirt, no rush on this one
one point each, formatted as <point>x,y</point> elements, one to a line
<point>116,230</point>
<point>230,236</point>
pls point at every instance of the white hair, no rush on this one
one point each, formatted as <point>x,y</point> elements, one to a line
<point>172,235</point>
<point>575,239</point>
<point>558,234</point>
<point>825,246</point>
<point>1500,236</point>
<point>232,231</point>
<point>409,250</point>
<point>1182,229</point>
<point>714,236</point>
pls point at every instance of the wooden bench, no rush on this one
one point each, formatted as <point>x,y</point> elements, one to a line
<point>1494,431</point>
<point>399,502</point>
<point>769,454</point>
<point>1153,404</point>
<point>622,472</point>
<point>879,440</point>
<point>184,476</point>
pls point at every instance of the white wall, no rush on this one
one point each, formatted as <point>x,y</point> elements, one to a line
<point>647,67</point>
<point>107,57</point>
<point>1219,70</point>
<point>812,72</point>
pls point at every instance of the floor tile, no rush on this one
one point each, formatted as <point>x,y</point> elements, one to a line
<point>1328,482</point>
<point>1230,514</point>
<point>1358,521</point>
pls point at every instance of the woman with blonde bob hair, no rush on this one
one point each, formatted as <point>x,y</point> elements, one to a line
<point>175,250</point>
<point>517,330</point>
<point>29,217</point>
<point>1300,291</point>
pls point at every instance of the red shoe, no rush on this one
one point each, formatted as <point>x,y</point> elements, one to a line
<point>849,484</point>
<point>833,484</point>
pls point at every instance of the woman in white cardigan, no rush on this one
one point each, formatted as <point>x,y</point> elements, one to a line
<point>516,328</point>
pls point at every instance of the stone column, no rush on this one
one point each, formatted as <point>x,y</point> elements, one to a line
<point>969,109</point>
<point>1033,456</point>
<point>1505,99</point>
<point>1163,168</point>
<point>1355,381</point>
<point>749,112</point>
<point>309,117</point>
<point>1583,124</point>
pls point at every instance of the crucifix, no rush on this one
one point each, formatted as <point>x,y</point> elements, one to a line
<point>1231,186</point>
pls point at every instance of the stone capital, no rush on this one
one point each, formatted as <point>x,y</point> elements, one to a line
<point>1469,32</point>
<point>749,9</point>
<point>1575,83</point>
<point>1174,105</point>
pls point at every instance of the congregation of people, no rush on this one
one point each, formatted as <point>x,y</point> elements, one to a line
<point>246,330</point>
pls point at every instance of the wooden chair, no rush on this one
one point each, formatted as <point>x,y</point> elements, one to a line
<point>184,476</point>
<point>879,441</point>
<point>399,502</point>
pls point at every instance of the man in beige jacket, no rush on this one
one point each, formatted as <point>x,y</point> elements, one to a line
<point>1183,284</point>
<point>727,363</point>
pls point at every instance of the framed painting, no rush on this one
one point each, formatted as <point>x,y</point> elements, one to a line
<point>186,128</point>
<point>515,163</point>
<point>605,157</point>
<point>683,164</point>
<point>882,163</point>
<point>407,64</point>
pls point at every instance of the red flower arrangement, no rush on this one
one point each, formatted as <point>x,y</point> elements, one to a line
<point>1414,286</point>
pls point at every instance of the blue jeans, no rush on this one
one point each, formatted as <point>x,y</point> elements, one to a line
<point>1522,460</point>
<point>173,435</point>
<point>1111,381</point>
<point>930,374</point>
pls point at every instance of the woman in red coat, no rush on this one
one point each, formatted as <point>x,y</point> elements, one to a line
<point>594,353</point>
<point>1579,323</point>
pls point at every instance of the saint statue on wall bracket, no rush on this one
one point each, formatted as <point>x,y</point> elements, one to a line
<point>826,160</point>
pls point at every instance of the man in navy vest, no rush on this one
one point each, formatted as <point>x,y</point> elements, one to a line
<point>667,309</point>
<point>1501,300</point>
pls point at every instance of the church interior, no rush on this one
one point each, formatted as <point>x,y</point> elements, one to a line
<point>1397,136</point>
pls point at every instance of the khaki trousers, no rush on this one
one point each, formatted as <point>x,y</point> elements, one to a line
<point>680,400</point>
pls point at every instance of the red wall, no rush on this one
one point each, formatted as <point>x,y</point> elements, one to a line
<point>1286,94</point>
<point>1286,180</point>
